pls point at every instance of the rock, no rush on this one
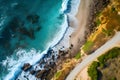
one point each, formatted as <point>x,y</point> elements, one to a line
<point>33,18</point>
<point>52,64</point>
<point>53,57</point>
<point>45,74</point>
<point>32,72</point>
<point>70,48</point>
<point>46,65</point>
<point>38,28</point>
<point>25,31</point>
<point>31,33</point>
<point>39,73</point>
<point>26,66</point>
<point>58,57</point>
<point>71,45</point>
<point>63,54</point>
<point>42,61</point>
<point>60,51</point>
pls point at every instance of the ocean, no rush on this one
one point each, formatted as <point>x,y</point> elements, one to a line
<point>29,30</point>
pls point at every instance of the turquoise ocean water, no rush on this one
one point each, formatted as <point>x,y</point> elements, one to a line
<point>27,29</point>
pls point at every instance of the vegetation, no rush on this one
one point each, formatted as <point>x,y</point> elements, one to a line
<point>98,14</point>
<point>57,75</point>
<point>108,21</point>
<point>66,67</point>
<point>78,56</point>
<point>98,22</point>
<point>107,32</point>
<point>109,55</point>
<point>92,70</point>
<point>113,9</point>
<point>87,46</point>
<point>114,78</point>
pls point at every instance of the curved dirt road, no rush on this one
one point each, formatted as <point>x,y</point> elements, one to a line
<point>114,42</point>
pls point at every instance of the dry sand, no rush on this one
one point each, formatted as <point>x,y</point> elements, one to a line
<point>83,75</point>
<point>78,36</point>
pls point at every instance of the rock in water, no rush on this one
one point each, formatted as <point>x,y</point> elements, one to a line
<point>39,73</point>
<point>32,72</point>
<point>26,66</point>
<point>33,18</point>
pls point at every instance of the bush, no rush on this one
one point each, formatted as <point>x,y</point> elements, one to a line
<point>92,70</point>
<point>109,55</point>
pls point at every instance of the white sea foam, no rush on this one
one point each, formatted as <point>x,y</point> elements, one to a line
<point>74,7</point>
<point>61,32</point>
<point>64,5</point>
<point>23,56</point>
<point>34,56</point>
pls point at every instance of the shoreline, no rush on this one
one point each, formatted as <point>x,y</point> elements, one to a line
<point>94,10</point>
<point>43,54</point>
<point>76,40</point>
<point>83,29</point>
<point>47,52</point>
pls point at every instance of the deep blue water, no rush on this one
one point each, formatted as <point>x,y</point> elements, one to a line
<point>27,24</point>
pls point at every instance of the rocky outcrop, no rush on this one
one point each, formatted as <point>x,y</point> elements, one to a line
<point>26,66</point>
<point>32,72</point>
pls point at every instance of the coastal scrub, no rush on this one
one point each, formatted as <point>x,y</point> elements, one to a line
<point>107,63</point>
<point>107,24</point>
<point>87,46</point>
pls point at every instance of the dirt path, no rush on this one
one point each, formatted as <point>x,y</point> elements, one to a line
<point>114,42</point>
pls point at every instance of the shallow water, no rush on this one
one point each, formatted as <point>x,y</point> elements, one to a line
<point>30,32</point>
<point>25,25</point>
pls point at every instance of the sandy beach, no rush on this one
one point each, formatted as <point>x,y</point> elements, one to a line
<point>78,36</point>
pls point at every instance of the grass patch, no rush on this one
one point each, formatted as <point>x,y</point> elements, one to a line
<point>57,75</point>
<point>107,32</point>
<point>87,46</point>
<point>98,22</point>
<point>78,56</point>
<point>98,14</point>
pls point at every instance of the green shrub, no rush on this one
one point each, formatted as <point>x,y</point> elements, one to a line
<point>107,32</point>
<point>57,75</point>
<point>87,46</point>
<point>109,55</point>
<point>98,22</point>
<point>92,70</point>
<point>78,56</point>
<point>98,14</point>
